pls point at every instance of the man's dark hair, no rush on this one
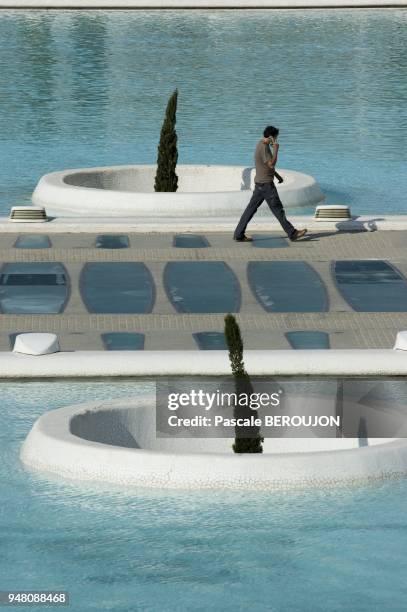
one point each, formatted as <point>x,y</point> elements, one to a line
<point>270,130</point>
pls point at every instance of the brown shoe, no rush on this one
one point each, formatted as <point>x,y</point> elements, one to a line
<point>244,239</point>
<point>298,234</point>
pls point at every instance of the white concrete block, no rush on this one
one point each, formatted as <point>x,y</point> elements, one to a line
<point>401,341</point>
<point>36,344</point>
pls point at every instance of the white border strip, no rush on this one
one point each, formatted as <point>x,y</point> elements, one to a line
<point>81,364</point>
<point>198,4</point>
<point>169,225</point>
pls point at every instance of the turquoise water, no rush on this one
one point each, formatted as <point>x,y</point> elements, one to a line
<point>127,550</point>
<point>86,88</point>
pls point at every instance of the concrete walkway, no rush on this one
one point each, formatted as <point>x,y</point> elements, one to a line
<point>164,328</point>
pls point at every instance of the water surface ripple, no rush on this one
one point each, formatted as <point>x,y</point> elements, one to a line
<point>83,88</point>
<point>134,549</point>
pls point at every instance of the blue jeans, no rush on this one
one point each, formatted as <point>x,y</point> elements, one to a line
<point>268,192</point>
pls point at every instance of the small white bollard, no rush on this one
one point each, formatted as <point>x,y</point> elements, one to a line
<point>401,341</point>
<point>36,344</point>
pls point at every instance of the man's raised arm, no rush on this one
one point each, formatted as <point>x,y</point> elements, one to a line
<point>272,162</point>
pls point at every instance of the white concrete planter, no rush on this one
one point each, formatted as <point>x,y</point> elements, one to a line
<point>204,191</point>
<point>116,442</point>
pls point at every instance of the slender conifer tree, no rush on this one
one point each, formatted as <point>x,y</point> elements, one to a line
<point>247,439</point>
<point>166,178</point>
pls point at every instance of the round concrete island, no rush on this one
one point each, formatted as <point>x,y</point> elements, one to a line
<point>203,191</point>
<point>116,442</point>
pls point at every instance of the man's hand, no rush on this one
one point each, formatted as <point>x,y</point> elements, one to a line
<point>272,162</point>
<point>278,177</point>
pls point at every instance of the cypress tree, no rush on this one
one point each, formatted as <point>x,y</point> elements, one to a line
<point>166,178</point>
<point>247,439</point>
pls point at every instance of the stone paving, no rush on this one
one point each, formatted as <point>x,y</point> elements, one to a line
<point>164,328</point>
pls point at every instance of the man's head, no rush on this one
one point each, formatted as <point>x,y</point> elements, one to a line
<point>270,132</point>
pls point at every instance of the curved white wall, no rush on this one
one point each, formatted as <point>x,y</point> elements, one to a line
<point>140,179</point>
<point>204,191</point>
<point>115,442</point>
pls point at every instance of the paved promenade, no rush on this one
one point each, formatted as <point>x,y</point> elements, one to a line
<point>164,328</point>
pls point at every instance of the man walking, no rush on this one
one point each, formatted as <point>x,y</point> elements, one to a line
<point>265,162</point>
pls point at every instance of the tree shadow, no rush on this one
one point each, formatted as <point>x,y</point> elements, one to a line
<point>362,433</point>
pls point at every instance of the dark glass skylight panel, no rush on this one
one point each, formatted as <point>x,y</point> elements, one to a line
<point>123,341</point>
<point>33,288</point>
<point>33,241</point>
<point>371,285</point>
<point>190,241</point>
<point>117,287</point>
<point>287,286</point>
<point>202,286</point>
<point>308,339</point>
<point>210,341</point>
<point>112,241</point>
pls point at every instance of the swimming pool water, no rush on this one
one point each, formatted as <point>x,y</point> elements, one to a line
<point>83,88</point>
<point>133,549</point>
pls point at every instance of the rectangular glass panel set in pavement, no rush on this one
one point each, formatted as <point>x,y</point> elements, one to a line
<point>200,287</point>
